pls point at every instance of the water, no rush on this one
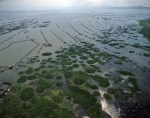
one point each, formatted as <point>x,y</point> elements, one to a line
<point>29,25</point>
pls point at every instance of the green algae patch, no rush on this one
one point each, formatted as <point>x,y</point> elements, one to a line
<point>107,96</point>
<point>68,63</point>
<point>74,61</point>
<point>36,69</point>
<point>27,94</point>
<point>57,52</point>
<point>42,82</point>
<point>26,105</point>
<point>59,77</point>
<point>48,76</point>
<point>103,82</point>
<point>94,87</point>
<point>91,61</point>
<point>126,73</point>
<point>17,88</point>
<point>94,66</point>
<point>90,70</point>
<point>146,55</point>
<point>75,65</point>
<point>95,112</point>
<point>78,81</point>
<point>113,92</point>
<point>81,95</point>
<point>135,87</point>
<point>131,52</point>
<point>42,66</point>
<point>43,63</point>
<point>31,77</point>
<point>22,79</point>
<point>146,28</point>
<point>37,60</point>
<point>59,84</point>
<point>96,93</point>
<point>29,71</point>
<point>40,89</point>
<point>43,71</point>
<point>118,80</point>
<point>20,73</point>
<point>113,44</point>
<point>68,75</point>
<point>46,54</point>
<point>118,62</point>
<point>121,46</point>
<point>83,58</point>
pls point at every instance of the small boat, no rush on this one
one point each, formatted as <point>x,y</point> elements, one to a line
<point>4,89</point>
<point>10,67</point>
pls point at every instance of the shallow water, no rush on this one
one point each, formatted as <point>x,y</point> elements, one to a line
<point>88,23</point>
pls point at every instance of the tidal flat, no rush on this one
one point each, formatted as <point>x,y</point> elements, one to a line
<point>75,64</point>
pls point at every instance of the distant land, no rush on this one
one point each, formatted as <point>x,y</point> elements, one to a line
<point>73,8</point>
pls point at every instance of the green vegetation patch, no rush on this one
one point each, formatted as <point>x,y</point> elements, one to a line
<point>146,28</point>
<point>43,62</point>
<point>37,60</point>
<point>146,55</point>
<point>48,76</point>
<point>27,94</point>
<point>22,79</point>
<point>78,81</point>
<point>135,85</point>
<point>29,71</point>
<point>91,70</point>
<point>21,72</point>
<point>95,112</point>
<point>103,82</point>
<point>107,96</point>
<point>113,92</point>
<point>118,62</point>
<point>113,44</point>
<point>42,82</point>
<point>94,87</point>
<point>57,52</point>
<point>131,52</point>
<point>80,97</point>
<point>36,69</point>
<point>42,66</point>
<point>96,93</point>
<point>40,89</point>
<point>59,77</point>
<point>31,77</point>
<point>121,46</point>
<point>118,80</point>
<point>75,65</point>
<point>91,61</point>
<point>46,54</point>
<point>83,57</point>
<point>95,67</point>
<point>68,63</point>
<point>74,61</point>
<point>59,84</point>
<point>43,71</point>
<point>68,75</point>
<point>26,105</point>
<point>126,73</point>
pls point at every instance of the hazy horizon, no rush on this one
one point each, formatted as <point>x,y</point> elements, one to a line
<point>72,4</point>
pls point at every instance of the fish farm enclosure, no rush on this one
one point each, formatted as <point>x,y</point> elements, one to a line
<point>75,64</point>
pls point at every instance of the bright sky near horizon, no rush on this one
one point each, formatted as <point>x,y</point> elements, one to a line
<point>71,3</point>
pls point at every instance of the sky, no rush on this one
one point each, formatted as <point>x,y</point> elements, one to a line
<point>50,4</point>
